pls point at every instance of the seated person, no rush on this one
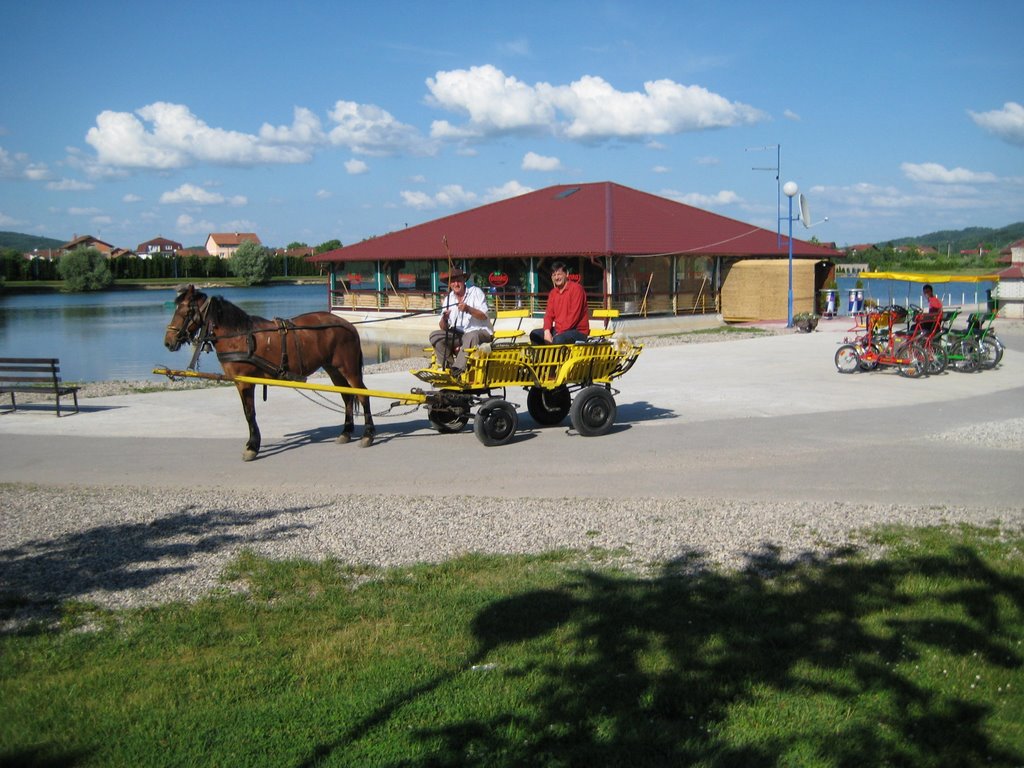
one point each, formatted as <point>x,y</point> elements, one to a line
<point>464,323</point>
<point>566,320</point>
<point>932,316</point>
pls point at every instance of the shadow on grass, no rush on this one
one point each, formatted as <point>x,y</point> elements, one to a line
<point>37,577</point>
<point>808,663</point>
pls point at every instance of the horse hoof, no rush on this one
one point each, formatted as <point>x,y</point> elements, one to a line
<point>248,455</point>
<point>344,437</point>
<point>366,442</point>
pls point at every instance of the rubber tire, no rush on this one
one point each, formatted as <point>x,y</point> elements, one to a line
<point>989,354</point>
<point>593,411</point>
<point>918,364</point>
<point>446,423</point>
<point>548,407</point>
<point>937,360</point>
<point>966,353</point>
<point>847,359</point>
<point>865,363</point>
<point>496,422</point>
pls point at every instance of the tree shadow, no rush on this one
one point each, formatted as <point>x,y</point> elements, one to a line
<point>37,577</point>
<point>820,627</point>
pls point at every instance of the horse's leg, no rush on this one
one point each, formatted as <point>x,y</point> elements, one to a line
<point>368,429</point>
<point>247,392</point>
<point>340,381</point>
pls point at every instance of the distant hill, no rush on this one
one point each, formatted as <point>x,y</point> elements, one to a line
<point>26,243</point>
<point>957,240</point>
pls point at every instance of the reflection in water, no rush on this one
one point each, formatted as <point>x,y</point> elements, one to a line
<point>119,334</point>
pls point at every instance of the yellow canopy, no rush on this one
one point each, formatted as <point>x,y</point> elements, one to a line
<point>911,277</point>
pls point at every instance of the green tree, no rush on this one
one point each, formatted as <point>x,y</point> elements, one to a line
<point>251,263</point>
<point>84,269</point>
<point>330,245</point>
<point>296,244</point>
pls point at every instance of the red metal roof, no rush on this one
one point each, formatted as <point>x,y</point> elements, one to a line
<point>597,219</point>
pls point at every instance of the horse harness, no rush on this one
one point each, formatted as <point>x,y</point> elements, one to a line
<point>206,339</point>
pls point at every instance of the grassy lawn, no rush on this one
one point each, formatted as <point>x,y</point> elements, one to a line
<point>913,658</point>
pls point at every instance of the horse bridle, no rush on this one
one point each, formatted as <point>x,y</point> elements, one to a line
<point>193,328</point>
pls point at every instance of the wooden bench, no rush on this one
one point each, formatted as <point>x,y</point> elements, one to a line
<point>36,375</point>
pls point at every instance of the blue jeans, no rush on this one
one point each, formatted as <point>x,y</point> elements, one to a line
<point>565,337</point>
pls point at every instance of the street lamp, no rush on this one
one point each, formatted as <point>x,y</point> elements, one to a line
<point>790,189</point>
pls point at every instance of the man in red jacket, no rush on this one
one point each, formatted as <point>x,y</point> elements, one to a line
<point>566,320</point>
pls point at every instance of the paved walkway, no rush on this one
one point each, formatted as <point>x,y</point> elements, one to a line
<point>740,419</point>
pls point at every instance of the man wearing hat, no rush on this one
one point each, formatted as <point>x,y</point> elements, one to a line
<point>464,323</point>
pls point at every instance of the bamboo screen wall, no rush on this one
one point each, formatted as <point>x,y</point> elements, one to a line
<point>758,289</point>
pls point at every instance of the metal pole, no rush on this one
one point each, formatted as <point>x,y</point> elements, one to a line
<point>789,320</point>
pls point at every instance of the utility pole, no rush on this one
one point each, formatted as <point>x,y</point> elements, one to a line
<point>778,186</point>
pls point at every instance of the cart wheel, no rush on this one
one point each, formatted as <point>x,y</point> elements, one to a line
<point>548,407</point>
<point>937,360</point>
<point>593,411</point>
<point>847,359</point>
<point>447,422</point>
<point>989,354</point>
<point>964,356</point>
<point>868,357</point>
<point>496,422</point>
<point>913,361</point>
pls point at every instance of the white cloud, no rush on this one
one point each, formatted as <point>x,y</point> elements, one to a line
<point>708,160</point>
<point>725,197</point>
<point>305,130</point>
<point>586,109</point>
<point>69,185</point>
<point>323,194</point>
<point>189,226</point>
<point>933,173</point>
<point>660,169</point>
<point>84,211</point>
<point>534,162</point>
<point>131,197</point>
<point>7,221</point>
<point>190,194</point>
<point>520,47</point>
<point>18,166</point>
<point>1006,123</point>
<point>505,191</point>
<point>449,196</point>
<point>170,136</point>
<point>791,115</point>
<point>366,129</point>
<point>355,167</point>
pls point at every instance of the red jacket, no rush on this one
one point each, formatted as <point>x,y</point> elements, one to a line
<point>567,309</point>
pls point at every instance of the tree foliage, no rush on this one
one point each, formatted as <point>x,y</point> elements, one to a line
<point>251,263</point>
<point>85,269</point>
<point>329,245</point>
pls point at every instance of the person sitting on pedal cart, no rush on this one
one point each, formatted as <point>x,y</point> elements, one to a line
<point>464,323</point>
<point>933,312</point>
<point>566,320</point>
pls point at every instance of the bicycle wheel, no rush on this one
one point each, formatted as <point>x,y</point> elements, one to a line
<point>847,359</point>
<point>965,356</point>
<point>990,352</point>
<point>937,360</point>
<point>913,360</point>
<point>868,355</point>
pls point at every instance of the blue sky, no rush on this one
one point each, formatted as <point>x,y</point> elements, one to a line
<point>309,121</point>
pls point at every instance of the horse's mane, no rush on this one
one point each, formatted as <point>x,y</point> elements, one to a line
<point>228,315</point>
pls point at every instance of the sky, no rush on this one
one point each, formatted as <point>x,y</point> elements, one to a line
<point>307,121</point>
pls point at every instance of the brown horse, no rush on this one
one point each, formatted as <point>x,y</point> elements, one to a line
<point>272,349</point>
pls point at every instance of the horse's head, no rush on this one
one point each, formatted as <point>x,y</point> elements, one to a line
<point>189,315</point>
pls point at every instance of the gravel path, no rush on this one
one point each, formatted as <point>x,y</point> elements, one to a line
<point>127,546</point>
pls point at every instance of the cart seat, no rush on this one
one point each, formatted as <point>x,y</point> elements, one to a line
<point>606,316</point>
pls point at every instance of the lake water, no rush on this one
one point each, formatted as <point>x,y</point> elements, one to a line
<point>114,335</point>
<point>905,293</point>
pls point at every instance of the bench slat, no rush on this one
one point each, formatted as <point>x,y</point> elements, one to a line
<point>14,378</point>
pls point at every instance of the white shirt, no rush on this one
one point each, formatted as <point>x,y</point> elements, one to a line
<point>463,321</point>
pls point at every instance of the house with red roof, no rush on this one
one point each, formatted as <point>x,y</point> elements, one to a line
<point>224,244</point>
<point>1010,291</point>
<point>633,251</point>
<point>158,246</point>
